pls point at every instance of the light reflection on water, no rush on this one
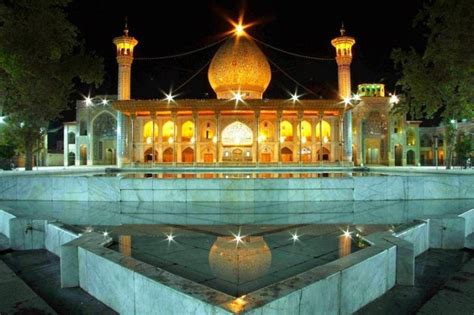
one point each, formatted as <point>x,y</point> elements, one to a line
<point>212,175</point>
<point>238,260</point>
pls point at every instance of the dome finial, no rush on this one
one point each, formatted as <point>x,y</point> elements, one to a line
<point>342,30</point>
<point>125,30</point>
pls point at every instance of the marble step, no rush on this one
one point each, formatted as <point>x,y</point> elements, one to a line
<point>17,297</point>
<point>456,296</point>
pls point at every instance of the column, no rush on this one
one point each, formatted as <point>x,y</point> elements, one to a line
<point>195,135</point>
<point>320,155</point>
<point>66,145</point>
<point>153,118</point>
<point>300,120</point>
<point>347,130</point>
<point>257,121</point>
<point>278,118</point>
<point>132,141</point>
<point>217,117</point>
<point>120,138</point>
<point>175,138</point>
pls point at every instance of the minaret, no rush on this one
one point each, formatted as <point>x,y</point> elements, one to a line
<point>125,45</point>
<point>343,45</point>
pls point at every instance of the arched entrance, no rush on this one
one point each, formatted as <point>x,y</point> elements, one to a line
<point>266,155</point>
<point>237,134</point>
<point>286,155</point>
<point>149,156</point>
<point>398,154</point>
<point>324,154</point>
<point>306,155</point>
<point>110,156</point>
<point>83,155</point>
<point>168,155</point>
<point>237,155</point>
<point>187,156</point>
<point>104,133</point>
<point>411,157</point>
<point>71,158</point>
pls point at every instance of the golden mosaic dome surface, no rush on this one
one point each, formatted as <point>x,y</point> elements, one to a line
<point>239,65</point>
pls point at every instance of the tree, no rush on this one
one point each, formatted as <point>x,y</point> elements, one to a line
<point>439,79</point>
<point>40,56</point>
<point>463,147</point>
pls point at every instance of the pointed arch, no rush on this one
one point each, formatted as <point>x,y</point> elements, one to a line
<point>168,130</point>
<point>148,131</point>
<point>187,131</point>
<point>286,130</point>
<point>237,134</point>
<point>326,131</point>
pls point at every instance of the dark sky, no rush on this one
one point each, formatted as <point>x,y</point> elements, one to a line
<point>169,27</point>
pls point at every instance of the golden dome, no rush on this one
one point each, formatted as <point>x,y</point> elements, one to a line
<point>242,263</point>
<point>239,66</point>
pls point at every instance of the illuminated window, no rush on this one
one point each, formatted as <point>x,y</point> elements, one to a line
<point>286,130</point>
<point>187,131</point>
<point>148,131</point>
<point>326,130</point>
<point>305,130</point>
<point>237,134</point>
<point>168,130</point>
<point>207,131</point>
<point>411,138</point>
<point>266,130</point>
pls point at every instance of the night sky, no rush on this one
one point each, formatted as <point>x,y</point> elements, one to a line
<point>177,26</point>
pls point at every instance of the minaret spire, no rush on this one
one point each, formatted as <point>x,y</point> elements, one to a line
<point>342,30</point>
<point>125,30</point>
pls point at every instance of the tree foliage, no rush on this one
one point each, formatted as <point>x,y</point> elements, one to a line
<point>440,79</point>
<point>40,56</point>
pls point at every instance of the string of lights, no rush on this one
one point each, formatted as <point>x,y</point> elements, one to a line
<point>291,78</point>
<point>187,53</point>
<point>192,77</point>
<point>291,53</point>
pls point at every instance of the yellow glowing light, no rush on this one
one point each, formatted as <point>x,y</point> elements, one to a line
<point>303,140</point>
<point>170,140</point>
<point>261,138</point>
<point>214,139</point>
<point>325,139</point>
<point>193,140</point>
<point>326,132</point>
<point>282,139</point>
<point>149,129</point>
<point>239,30</point>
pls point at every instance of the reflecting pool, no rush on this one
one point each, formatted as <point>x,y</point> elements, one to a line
<point>239,259</point>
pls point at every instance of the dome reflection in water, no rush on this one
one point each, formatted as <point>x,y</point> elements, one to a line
<point>240,262</point>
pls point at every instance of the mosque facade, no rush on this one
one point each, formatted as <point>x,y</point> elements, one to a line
<point>240,126</point>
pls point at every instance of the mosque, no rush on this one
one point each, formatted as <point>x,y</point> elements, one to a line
<point>240,126</point>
